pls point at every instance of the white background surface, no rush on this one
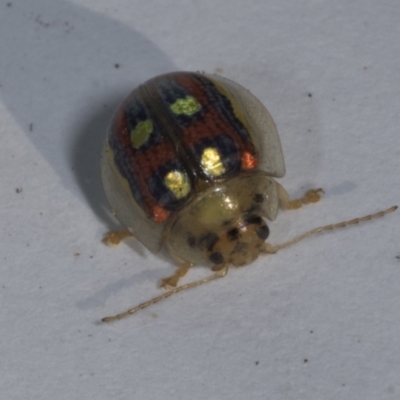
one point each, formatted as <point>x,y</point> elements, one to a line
<point>319,320</point>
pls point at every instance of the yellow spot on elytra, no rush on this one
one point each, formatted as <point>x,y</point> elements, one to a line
<point>187,106</point>
<point>178,183</point>
<point>141,133</point>
<point>211,162</point>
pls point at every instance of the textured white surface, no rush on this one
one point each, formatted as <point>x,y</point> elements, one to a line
<point>320,320</point>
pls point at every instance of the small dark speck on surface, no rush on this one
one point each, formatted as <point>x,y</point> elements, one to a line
<point>257,362</point>
<point>116,65</point>
<point>398,257</point>
<point>18,190</point>
<point>311,332</point>
<point>309,94</point>
<point>305,361</point>
<point>31,127</point>
<point>9,4</point>
<point>38,19</point>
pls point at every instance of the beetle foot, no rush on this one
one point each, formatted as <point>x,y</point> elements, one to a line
<point>173,280</point>
<point>311,196</point>
<point>114,238</point>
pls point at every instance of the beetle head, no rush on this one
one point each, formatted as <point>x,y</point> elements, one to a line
<point>240,244</point>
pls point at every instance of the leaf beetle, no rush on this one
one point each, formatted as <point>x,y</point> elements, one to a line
<point>190,161</point>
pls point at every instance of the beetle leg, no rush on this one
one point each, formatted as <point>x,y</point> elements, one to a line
<point>184,266</point>
<point>311,196</point>
<point>174,279</point>
<point>114,238</point>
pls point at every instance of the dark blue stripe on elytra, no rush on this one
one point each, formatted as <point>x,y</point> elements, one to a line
<point>135,111</point>
<point>226,148</point>
<point>223,105</point>
<point>161,192</point>
<point>122,162</point>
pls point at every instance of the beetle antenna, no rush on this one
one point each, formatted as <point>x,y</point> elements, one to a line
<point>219,274</point>
<point>267,248</point>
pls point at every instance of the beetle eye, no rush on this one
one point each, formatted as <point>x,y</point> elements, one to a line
<point>233,234</point>
<point>263,232</point>
<point>216,257</point>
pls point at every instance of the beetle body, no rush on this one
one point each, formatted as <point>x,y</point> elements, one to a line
<point>189,160</point>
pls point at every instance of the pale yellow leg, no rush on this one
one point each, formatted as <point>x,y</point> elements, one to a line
<point>114,238</point>
<point>311,196</point>
<point>184,265</point>
<point>173,280</point>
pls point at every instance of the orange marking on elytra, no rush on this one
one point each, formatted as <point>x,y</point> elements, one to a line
<point>160,214</point>
<point>248,161</point>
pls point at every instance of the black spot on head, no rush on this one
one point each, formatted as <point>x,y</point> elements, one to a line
<point>258,198</point>
<point>254,219</point>
<point>208,241</point>
<point>216,257</point>
<point>233,234</point>
<point>263,232</point>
